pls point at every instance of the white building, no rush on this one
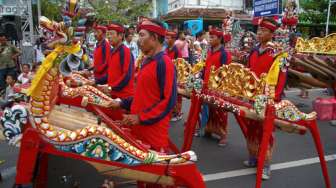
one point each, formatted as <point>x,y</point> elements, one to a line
<point>217,4</point>
<point>212,11</point>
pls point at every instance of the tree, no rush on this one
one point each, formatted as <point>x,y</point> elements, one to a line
<point>315,11</point>
<point>122,11</point>
<point>52,9</point>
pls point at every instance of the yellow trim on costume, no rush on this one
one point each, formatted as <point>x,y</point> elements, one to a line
<point>273,74</point>
<point>36,86</point>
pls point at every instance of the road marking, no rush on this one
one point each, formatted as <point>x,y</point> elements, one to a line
<point>309,90</point>
<point>278,166</point>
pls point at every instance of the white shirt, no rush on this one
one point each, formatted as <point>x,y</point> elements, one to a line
<point>133,47</point>
<point>25,78</point>
<point>39,56</point>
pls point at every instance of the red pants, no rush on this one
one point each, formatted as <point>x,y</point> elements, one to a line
<point>217,122</point>
<point>254,137</point>
<point>178,107</point>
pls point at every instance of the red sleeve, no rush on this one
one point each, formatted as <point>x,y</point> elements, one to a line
<point>179,54</point>
<point>229,57</point>
<point>281,85</point>
<point>127,70</point>
<point>101,57</point>
<point>159,110</point>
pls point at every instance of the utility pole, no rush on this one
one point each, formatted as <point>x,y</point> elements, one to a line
<point>39,9</point>
<point>328,16</point>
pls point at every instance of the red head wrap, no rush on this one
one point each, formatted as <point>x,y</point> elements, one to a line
<point>216,32</point>
<point>266,23</point>
<point>171,33</point>
<point>115,27</point>
<point>100,27</point>
<point>152,27</point>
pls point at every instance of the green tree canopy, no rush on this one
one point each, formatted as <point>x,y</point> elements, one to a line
<point>52,9</point>
<point>315,11</point>
<point>122,11</point>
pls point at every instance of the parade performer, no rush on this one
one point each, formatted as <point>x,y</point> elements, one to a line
<point>260,61</point>
<point>155,93</point>
<point>100,55</point>
<point>120,64</point>
<point>171,49</point>
<point>173,52</point>
<point>216,122</point>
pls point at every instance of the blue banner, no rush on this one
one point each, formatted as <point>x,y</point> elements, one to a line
<point>267,7</point>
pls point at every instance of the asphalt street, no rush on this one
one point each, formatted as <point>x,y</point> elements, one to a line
<point>293,159</point>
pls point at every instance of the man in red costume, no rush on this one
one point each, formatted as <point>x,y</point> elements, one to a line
<point>215,119</point>
<point>171,49</point>
<point>260,61</point>
<point>155,93</point>
<point>100,55</point>
<point>173,52</point>
<point>120,64</point>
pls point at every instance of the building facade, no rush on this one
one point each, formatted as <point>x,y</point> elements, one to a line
<point>211,11</point>
<point>208,4</point>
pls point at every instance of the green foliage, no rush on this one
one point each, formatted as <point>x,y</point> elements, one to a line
<point>315,11</point>
<point>52,9</point>
<point>122,11</point>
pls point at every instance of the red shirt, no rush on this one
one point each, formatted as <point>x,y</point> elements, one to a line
<point>217,59</point>
<point>100,57</point>
<point>173,53</point>
<point>153,102</point>
<point>261,63</point>
<point>121,72</point>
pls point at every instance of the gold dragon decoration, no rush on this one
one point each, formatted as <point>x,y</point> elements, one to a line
<point>326,45</point>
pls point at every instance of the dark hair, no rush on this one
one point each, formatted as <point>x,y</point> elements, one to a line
<point>127,33</point>
<point>160,38</point>
<point>180,32</point>
<point>13,75</point>
<point>26,65</point>
<point>198,35</point>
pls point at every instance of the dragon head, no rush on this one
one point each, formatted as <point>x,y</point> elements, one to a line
<point>57,32</point>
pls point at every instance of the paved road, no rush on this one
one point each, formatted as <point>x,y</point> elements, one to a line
<point>289,159</point>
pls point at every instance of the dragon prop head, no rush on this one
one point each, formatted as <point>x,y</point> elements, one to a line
<point>67,31</point>
<point>65,39</point>
<point>71,8</point>
<point>57,32</point>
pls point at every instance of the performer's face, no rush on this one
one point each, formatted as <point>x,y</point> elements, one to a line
<point>99,34</point>
<point>264,35</point>
<point>114,37</point>
<point>146,41</point>
<point>170,40</point>
<point>214,40</point>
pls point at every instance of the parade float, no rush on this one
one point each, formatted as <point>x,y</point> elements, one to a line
<point>316,56</point>
<point>236,89</point>
<point>68,119</point>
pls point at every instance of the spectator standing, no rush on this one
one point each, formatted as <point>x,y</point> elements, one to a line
<point>8,57</point>
<point>132,45</point>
